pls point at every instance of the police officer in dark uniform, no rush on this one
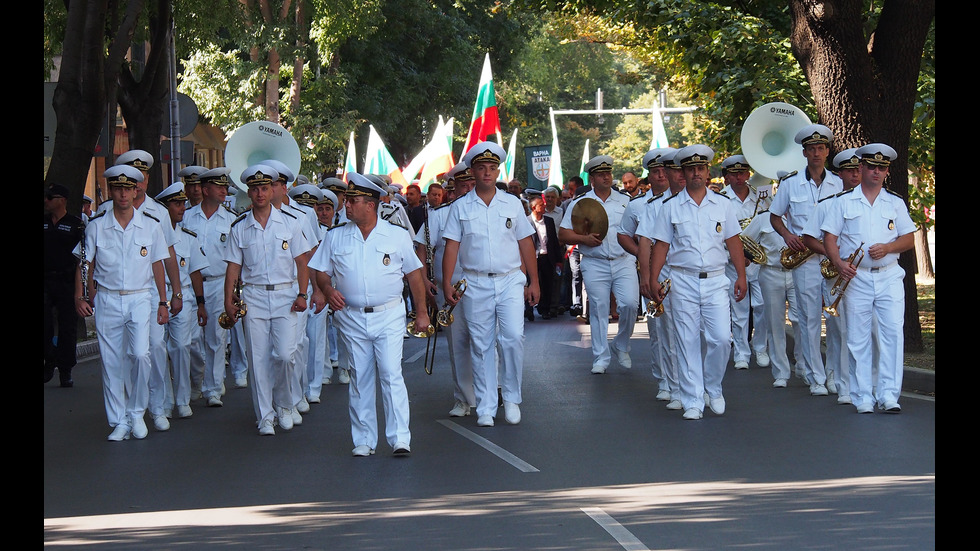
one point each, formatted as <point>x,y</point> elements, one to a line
<point>62,231</point>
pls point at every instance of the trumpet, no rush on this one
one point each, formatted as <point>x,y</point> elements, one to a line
<point>656,309</point>
<point>841,284</point>
<point>226,321</point>
<point>444,317</point>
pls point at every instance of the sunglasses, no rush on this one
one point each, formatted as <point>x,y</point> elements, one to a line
<point>52,197</point>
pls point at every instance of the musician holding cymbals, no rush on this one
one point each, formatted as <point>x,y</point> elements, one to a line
<point>879,219</point>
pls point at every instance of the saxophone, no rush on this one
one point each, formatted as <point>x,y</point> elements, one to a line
<point>791,259</point>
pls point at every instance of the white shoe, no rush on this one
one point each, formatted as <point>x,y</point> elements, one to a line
<point>266,428</point>
<point>598,369</point>
<point>334,364</point>
<point>196,394</point>
<point>817,389</point>
<point>891,407</point>
<point>402,449</point>
<point>692,414</point>
<point>762,359</point>
<point>285,418</point>
<point>663,395</point>
<point>184,412</point>
<point>866,407</point>
<point>460,409</point>
<point>161,423</point>
<point>139,428</point>
<point>241,382</point>
<point>214,402</point>
<point>343,376</point>
<point>717,405</point>
<point>303,406</point>
<point>512,413</point>
<point>222,387</point>
<point>622,356</point>
<point>843,399</point>
<point>313,399</point>
<point>741,364</point>
<point>674,405</point>
<point>297,418</point>
<point>831,383</point>
<point>484,421</point>
<point>779,383</point>
<point>362,451</point>
<point>120,433</point>
<point>325,381</point>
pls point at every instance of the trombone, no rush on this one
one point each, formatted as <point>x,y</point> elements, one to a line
<point>841,284</point>
<point>227,322</point>
<point>429,333</point>
<point>656,309</point>
<point>444,317</point>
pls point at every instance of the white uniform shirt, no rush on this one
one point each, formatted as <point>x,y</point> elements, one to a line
<point>761,231</point>
<point>155,209</point>
<point>395,213</point>
<point>266,254</point>
<point>367,272</point>
<point>190,256</point>
<point>853,219</point>
<point>123,257</point>
<point>751,206</point>
<point>615,207</point>
<point>634,211</point>
<point>797,198</point>
<point>696,233</point>
<point>437,223</point>
<point>213,234</point>
<point>488,234</point>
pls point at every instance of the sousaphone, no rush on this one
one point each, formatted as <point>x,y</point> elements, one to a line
<point>768,138</point>
<point>257,141</point>
<point>589,217</point>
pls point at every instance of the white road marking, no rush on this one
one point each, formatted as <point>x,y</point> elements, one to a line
<point>615,529</point>
<point>517,462</point>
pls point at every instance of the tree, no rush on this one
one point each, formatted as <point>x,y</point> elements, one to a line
<point>860,62</point>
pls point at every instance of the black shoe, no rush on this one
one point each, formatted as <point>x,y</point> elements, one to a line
<point>48,372</point>
<point>66,381</point>
<point>500,398</point>
<point>529,315</point>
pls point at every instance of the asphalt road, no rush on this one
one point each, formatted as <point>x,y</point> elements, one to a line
<point>596,464</point>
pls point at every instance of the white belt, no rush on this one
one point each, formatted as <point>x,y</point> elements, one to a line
<point>272,287</point>
<point>368,309</point>
<point>780,268</point>
<point>123,292</point>
<point>491,274</point>
<point>699,275</point>
<point>876,269</point>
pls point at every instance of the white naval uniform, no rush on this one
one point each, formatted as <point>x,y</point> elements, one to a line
<point>639,208</point>
<point>753,301</point>
<point>213,234</point>
<point>876,292</point>
<point>699,289</point>
<point>493,304</point>
<point>181,329</point>
<point>796,199</point>
<point>318,355</point>
<point>125,307</point>
<point>458,334</point>
<point>608,270</point>
<point>368,273</point>
<point>777,291</point>
<point>267,257</point>
<point>299,378</point>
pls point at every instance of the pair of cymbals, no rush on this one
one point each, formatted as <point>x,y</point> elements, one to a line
<point>588,217</point>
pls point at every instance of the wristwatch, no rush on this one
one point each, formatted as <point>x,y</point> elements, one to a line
<point>165,303</point>
<point>302,295</point>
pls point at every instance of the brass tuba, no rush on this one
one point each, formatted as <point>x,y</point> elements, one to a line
<point>224,320</point>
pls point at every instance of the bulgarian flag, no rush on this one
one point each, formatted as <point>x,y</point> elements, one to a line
<point>441,156</point>
<point>486,121</point>
<point>555,176</point>
<point>585,159</point>
<point>379,161</point>
<point>351,160</point>
<point>511,151</point>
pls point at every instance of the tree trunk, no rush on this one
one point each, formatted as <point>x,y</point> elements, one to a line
<point>297,85</point>
<point>865,90</point>
<point>923,255</point>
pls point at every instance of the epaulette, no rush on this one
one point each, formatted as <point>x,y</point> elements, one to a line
<point>828,197</point>
<point>762,212</point>
<point>239,219</point>
<point>227,208</point>
<point>151,216</point>
<point>340,225</point>
<point>97,215</point>
<point>188,231</point>
<point>396,224</point>
<point>655,197</point>
<point>671,197</point>
<point>638,196</point>
<point>623,192</point>
<point>289,214</point>
<point>446,204</point>
<point>893,193</point>
<point>722,193</point>
<point>841,193</point>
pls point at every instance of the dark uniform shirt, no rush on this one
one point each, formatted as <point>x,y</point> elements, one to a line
<point>60,239</point>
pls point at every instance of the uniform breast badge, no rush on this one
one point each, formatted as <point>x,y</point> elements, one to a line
<point>386,260</point>
<point>183,262</point>
<point>224,237</point>
<point>718,227</point>
<point>285,246</point>
<point>143,251</point>
<point>891,224</point>
<point>509,223</point>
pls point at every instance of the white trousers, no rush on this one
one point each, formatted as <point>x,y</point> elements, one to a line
<point>297,376</point>
<point>753,305</point>
<point>878,295</point>
<point>318,355</point>
<point>700,304</point>
<point>180,331</point>
<point>270,348</point>
<point>215,338</point>
<point>122,324</point>
<point>617,278</point>
<point>494,312</point>
<point>809,282</point>
<point>778,293</point>
<point>375,343</point>
<point>460,360</point>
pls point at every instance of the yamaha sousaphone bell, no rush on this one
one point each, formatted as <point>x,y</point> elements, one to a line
<point>768,138</point>
<point>589,217</point>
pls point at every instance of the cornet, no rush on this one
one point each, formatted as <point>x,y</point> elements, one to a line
<point>444,317</point>
<point>841,284</point>
<point>656,309</point>
<point>227,322</point>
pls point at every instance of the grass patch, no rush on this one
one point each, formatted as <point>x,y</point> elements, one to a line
<point>926,291</point>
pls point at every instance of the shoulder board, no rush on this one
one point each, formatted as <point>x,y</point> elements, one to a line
<point>188,231</point>
<point>624,193</point>
<point>846,191</point>
<point>828,197</point>
<point>446,204</point>
<point>94,216</point>
<point>762,212</point>
<point>151,216</point>
<point>340,225</point>
<point>722,193</point>
<point>289,214</point>
<point>893,193</point>
<point>239,219</point>
<point>638,196</point>
<point>655,197</point>
<point>396,224</point>
<point>671,197</point>
<point>228,209</point>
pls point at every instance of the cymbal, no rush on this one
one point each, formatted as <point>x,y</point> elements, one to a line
<point>589,217</point>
